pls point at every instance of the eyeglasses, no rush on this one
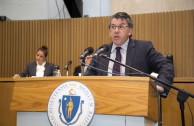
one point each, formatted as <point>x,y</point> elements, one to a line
<point>120,27</point>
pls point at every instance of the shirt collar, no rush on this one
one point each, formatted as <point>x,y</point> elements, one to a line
<point>123,46</point>
<point>43,64</point>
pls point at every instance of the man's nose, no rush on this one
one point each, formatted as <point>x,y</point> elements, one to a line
<point>116,29</point>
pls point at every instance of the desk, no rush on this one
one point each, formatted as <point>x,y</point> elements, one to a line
<point>170,105</point>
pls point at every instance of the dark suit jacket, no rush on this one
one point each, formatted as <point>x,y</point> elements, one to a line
<point>30,70</point>
<point>142,56</point>
<point>77,70</point>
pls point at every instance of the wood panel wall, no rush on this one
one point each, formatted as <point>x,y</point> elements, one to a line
<point>170,32</point>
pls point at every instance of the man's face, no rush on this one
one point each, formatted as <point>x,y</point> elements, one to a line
<point>119,31</point>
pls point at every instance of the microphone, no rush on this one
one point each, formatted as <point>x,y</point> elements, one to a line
<point>86,52</point>
<point>68,64</point>
<point>103,48</point>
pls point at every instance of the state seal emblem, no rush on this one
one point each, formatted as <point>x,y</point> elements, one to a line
<point>71,104</point>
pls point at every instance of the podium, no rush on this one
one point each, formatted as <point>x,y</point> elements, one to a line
<point>119,96</point>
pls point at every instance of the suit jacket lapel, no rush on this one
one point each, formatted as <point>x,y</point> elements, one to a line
<point>33,69</point>
<point>130,54</point>
<point>45,71</point>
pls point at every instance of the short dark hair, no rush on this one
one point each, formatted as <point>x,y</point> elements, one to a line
<point>122,15</point>
<point>44,49</point>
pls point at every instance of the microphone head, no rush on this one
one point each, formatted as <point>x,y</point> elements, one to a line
<point>89,49</point>
<point>102,49</point>
<point>69,62</point>
<point>105,47</point>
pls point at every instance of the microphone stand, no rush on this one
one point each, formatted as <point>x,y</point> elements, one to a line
<point>181,97</point>
<point>82,66</point>
<point>67,71</point>
<point>82,69</point>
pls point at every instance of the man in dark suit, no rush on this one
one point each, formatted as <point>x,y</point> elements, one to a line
<point>79,70</point>
<point>138,54</point>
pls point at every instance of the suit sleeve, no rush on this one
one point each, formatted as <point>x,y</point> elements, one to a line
<point>162,66</point>
<point>77,70</point>
<point>90,70</point>
<point>25,72</point>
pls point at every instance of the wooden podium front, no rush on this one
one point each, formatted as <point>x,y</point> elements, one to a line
<point>132,96</point>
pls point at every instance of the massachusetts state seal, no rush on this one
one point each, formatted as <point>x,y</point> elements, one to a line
<point>71,104</point>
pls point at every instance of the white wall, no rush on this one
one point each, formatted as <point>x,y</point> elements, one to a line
<point>150,6</point>
<point>24,9</point>
<point>41,119</point>
<point>94,8</point>
<point>31,9</point>
<point>47,9</point>
<point>53,12</point>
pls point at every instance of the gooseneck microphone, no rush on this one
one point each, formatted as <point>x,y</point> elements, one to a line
<point>102,49</point>
<point>68,64</point>
<point>66,67</point>
<point>87,51</point>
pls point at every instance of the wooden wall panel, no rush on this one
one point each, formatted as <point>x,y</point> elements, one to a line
<point>170,32</point>
<point>89,33</point>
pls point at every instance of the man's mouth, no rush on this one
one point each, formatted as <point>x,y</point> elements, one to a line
<point>116,37</point>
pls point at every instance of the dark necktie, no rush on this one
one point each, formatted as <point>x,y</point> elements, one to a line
<point>116,66</point>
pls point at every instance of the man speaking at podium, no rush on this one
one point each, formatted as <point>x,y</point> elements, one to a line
<point>138,54</point>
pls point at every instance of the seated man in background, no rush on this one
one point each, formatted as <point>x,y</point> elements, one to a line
<point>38,68</point>
<point>78,69</point>
<point>138,54</point>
